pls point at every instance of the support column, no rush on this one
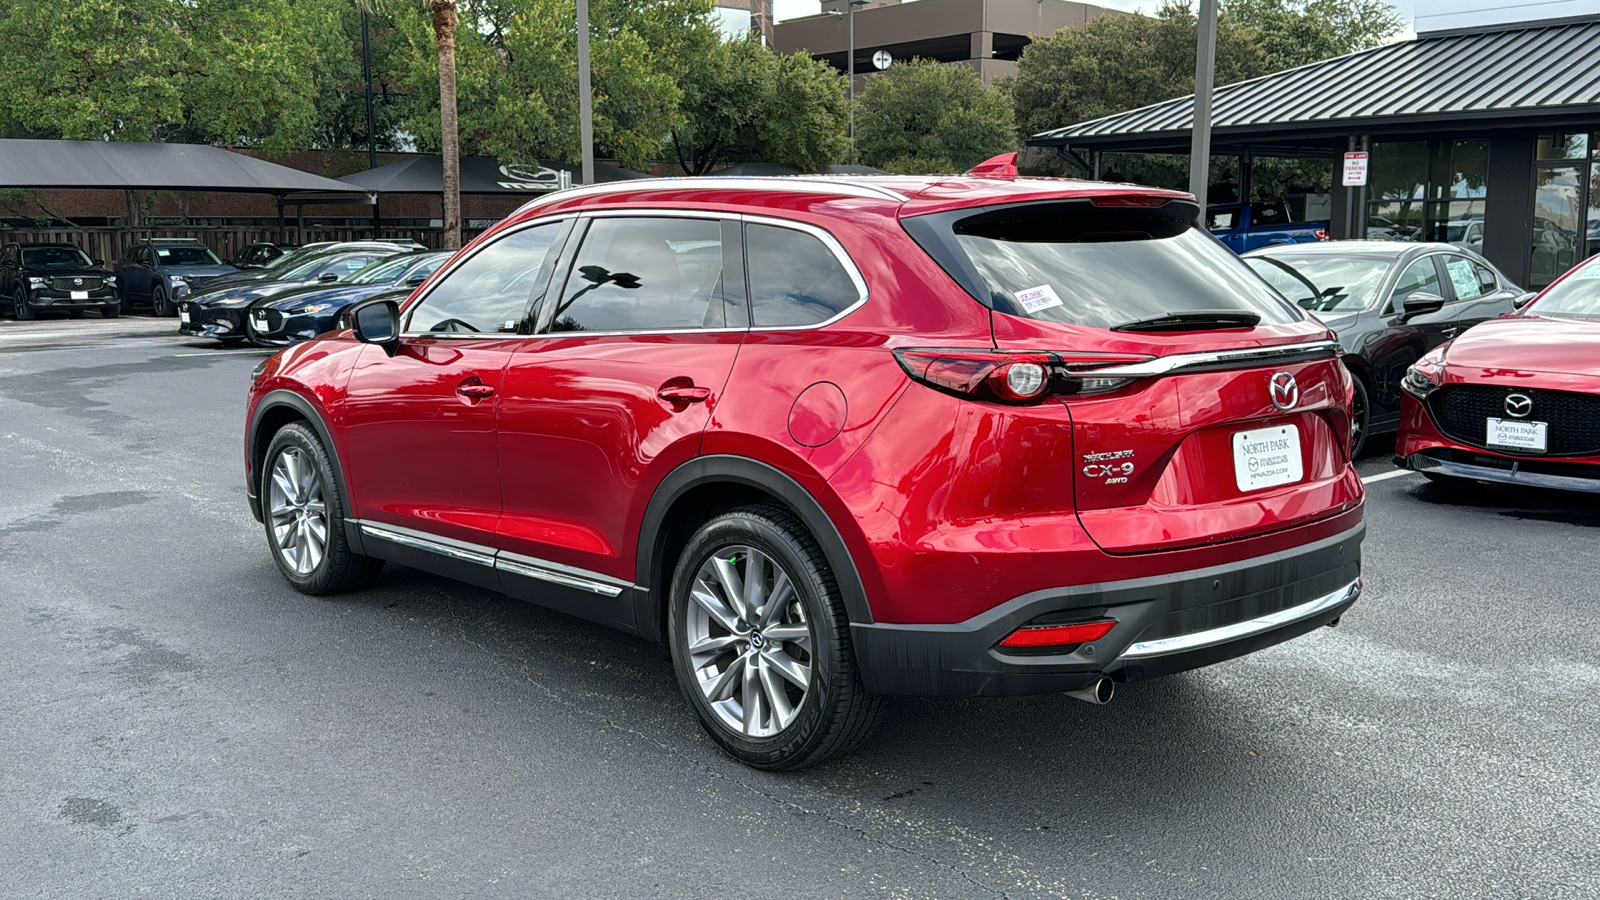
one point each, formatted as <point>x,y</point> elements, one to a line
<point>1508,208</point>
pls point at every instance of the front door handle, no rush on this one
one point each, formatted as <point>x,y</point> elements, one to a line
<point>684,394</point>
<point>473,391</point>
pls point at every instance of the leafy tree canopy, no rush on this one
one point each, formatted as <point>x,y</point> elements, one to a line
<point>924,117</point>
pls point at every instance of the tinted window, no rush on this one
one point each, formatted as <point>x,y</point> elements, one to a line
<point>489,292</point>
<point>795,279</point>
<point>1463,274</point>
<point>55,258</point>
<point>346,267</point>
<point>1419,277</point>
<point>186,256</point>
<point>644,274</point>
<point>381,272</point>
<point>1101,267</point>
<point>1323,283</point>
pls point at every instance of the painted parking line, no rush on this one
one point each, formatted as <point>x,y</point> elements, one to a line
<point>1385,476</point>
<point>225,352</point>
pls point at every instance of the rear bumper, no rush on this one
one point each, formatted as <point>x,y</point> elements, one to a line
<point>1165,624</point>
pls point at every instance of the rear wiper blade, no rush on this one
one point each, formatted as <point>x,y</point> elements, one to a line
<point>1192,320</point>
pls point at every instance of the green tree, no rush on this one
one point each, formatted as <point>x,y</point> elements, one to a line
<point>1296,32</point>
<point>745,104</point>
<point>924,117</point>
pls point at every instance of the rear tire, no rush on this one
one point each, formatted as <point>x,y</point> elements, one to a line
<point>769,670</point>
<point>304,510</point>
<point>1360,417</point>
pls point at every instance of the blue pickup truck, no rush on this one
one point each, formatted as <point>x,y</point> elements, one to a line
<point>1246,226</point>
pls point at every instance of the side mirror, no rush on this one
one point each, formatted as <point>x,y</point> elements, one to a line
<point>328,276</point>
<point>1422,302</point>
<point>416,279</point>
<point>377,322</point>
<point>96,262</point>
<point>1524,300</point>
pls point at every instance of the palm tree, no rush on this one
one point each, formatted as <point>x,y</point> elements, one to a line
<point>444,30</point>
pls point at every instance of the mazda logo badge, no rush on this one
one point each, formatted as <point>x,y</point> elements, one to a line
<point>1519,405</point>
<point>78,282</point>
<point>1285,391</point>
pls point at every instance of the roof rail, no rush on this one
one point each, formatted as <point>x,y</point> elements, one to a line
<point>801,184</point>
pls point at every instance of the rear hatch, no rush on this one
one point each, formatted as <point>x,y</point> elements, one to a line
<point>1204,407</point>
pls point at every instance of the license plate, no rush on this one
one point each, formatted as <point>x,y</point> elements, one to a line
<point>183,316</point>
<point>1518,434</point>
<point>79,295</point>
<point>1267,457</point>
<point>261,322</point>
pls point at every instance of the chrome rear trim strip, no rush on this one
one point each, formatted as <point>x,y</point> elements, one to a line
<point>1181,642</point>
<point>1221,359</point>
<point>462,550</point>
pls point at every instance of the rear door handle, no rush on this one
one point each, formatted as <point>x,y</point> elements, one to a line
<point>475,391</point>
<point>684,394</point>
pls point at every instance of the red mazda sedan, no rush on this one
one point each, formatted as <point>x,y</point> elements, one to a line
<point>1516,399</point>
<point>835,439</point>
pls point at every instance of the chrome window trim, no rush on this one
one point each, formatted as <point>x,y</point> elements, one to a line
<point>1178,362</point>
<point>422,540</point>
<point>1210,637</point>
<point>795,184</point>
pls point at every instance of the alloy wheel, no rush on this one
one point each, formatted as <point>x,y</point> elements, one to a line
<point>749,643</point>
<point>298,510</point>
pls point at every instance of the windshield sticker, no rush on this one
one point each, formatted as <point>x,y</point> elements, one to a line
<point>163,253</point>
<point>1036,298</point>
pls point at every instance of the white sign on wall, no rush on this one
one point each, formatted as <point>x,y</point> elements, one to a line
<point>1355,169</point>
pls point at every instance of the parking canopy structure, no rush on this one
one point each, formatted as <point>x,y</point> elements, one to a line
<point>103,165</point>
<point>1486,136</point>
<point>479,175</point>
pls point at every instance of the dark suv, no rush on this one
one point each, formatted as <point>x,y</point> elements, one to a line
<point>37,278</point>
<point>832,439</point>
<point>160,271</point>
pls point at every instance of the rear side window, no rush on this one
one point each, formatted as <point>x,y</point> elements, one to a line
<point>1096,266</point>
<point>795,278</point>
<point>644,274</point>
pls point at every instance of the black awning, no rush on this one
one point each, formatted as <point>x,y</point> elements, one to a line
<point>479,175</point>
<point>1516,76</point>
<point>120,166</point>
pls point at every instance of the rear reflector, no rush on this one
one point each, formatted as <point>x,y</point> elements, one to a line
<point>1057,635</point>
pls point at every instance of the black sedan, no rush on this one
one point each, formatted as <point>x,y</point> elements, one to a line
<point>220,313</point>
<point>304,313</point>
<point>1390,302</point>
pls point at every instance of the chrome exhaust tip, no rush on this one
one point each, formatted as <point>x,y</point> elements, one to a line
<point>1099,692</point>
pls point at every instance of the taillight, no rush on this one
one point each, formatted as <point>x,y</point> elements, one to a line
<point>1033,637</point>
<point>1012,376</point>
<point>1125,200</point>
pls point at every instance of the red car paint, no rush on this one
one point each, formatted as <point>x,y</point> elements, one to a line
<point>948,508</point>
<point>1529,352</point>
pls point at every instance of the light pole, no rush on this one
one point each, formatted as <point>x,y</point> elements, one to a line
<point>1205,70</point>
<point>585,95</point>
<point>850,59</point>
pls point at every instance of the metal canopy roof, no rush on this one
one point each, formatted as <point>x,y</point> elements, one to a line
<point>120,166</point>
<point>1531,73</point>
<point>479,175</point>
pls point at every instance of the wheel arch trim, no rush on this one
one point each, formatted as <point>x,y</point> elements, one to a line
<point>751,473</point>
<point>279,399</point>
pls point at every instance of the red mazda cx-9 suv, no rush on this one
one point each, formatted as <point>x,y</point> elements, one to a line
<point>834,439</point>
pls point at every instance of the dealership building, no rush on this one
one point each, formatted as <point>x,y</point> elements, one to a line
<point>1483,131</point>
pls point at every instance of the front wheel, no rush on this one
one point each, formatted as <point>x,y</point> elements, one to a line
<point>20,307</point>
<point>761,643</point>
<point>158,302</point>
<point>110,311</point>
<point>304,512</point>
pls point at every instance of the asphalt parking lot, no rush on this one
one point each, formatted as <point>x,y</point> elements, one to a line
<point>175,721</point>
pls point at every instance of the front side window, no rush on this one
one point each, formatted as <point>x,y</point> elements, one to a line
<point>489,292</point>
<point>1421,277</point>
<point>644,274</point>
<point>795,279</point>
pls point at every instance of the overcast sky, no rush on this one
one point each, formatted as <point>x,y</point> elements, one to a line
<point>788,9</point>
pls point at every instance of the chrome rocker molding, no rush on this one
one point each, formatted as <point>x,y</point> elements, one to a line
<point>515,563</point>
<point>1182,642</point>
<point>1421,462</point>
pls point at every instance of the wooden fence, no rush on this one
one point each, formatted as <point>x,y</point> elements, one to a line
<point>109,243</point>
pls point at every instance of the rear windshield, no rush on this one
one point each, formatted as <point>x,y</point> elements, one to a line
<point>1097,266</point>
